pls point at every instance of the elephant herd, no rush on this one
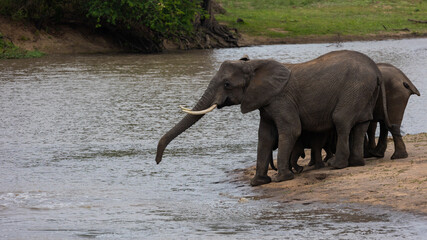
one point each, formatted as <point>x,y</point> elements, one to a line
<point>333,102</point>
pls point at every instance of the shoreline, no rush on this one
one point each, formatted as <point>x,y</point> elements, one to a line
<point>247,41</point>
<point>66,39</point>
<point>399,184</point>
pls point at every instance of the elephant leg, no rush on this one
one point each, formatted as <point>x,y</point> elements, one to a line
<point>382,142</point>
<point>370,144</point>
<point>340,160</point>
<point>329,154</point>
<point>399,147</point>
<point>316,154</point>
<point>288,136</point>
<point>356,150</point>
<point>266,142</point>
<point>329,146</point>
<point>312,160</point>
<point>270,160</point>
<point>371,134</point>
<point>317,142</point>
<point>296,153</point>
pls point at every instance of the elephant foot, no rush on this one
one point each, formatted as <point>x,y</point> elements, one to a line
<point>377,154</point>
<point>260,180</point>
<point>298,169</point>
<point>280,177</point>
<point>356,161</point>
<point>333,162</point>
<point>398,155</point>
<point>319,165</point>
<point>328,156</point>
<point>367,154</point>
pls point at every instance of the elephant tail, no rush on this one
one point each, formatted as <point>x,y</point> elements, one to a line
<point>411,87</point>
<point>393,128</point>
<point>272,164</point>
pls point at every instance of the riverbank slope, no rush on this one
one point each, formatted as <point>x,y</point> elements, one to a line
<point>255,22</point>
<point>400,184</point>
<point>67,39</point>
<point>63,39</point>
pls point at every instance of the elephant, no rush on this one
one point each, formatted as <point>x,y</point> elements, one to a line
<point>398,89</point>
<point>316,141</point>
<point>337,90</point>
<point>313,140</point>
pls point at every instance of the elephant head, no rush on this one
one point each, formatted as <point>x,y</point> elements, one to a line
<point>251,83</point>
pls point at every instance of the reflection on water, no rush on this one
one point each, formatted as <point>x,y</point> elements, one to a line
<point>78,136</point>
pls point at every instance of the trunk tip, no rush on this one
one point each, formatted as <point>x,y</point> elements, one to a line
<point>158,158</point>
<point>160,149</point>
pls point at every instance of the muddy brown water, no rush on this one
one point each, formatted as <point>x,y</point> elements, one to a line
<point>78,136</point>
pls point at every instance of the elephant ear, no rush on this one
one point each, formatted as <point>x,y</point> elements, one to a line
<point>269,79</point>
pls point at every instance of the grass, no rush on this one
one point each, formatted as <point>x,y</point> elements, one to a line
<point>9,51</point>
<point>295,18</point>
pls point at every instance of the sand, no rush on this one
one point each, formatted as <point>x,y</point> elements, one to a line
<point>400,184</point>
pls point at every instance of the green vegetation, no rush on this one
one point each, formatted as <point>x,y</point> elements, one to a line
<point>296,18</point>
<point>143,25</point>
<point>139,25</point>
<point>168,17</point>
<point>8,50</point>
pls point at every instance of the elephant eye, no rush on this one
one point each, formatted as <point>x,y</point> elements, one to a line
<point>227,84</point>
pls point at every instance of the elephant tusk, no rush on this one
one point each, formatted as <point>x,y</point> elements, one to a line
<point>184,108</point>
<point>198,112</point>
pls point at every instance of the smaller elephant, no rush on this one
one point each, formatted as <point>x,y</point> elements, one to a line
<point>316,141</point>
<point>398,89</point>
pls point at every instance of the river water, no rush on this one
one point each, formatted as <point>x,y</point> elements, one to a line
<point>78,136</point>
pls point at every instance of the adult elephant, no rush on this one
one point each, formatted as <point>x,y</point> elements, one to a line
<point>338,89</point>
<point>398,89</point>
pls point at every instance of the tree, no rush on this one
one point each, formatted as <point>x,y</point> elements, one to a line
<point>208,25</point>
<point>137,25</point>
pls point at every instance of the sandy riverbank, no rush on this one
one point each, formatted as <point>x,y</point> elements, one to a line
<point>400,184</point>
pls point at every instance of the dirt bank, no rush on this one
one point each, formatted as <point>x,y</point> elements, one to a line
<point>73,39</point>
<point>400,184</point>
<point>63,39</point>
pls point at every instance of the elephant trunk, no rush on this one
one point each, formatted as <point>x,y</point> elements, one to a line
<point>204,102</point>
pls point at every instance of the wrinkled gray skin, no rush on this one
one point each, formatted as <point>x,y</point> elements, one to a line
<point>398,89</point>
<point>338,89</point>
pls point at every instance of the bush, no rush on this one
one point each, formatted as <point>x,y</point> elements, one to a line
<point>41,12</point>
<point>8,50</point>
<point>168,18</point>
<point>128,20</point>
